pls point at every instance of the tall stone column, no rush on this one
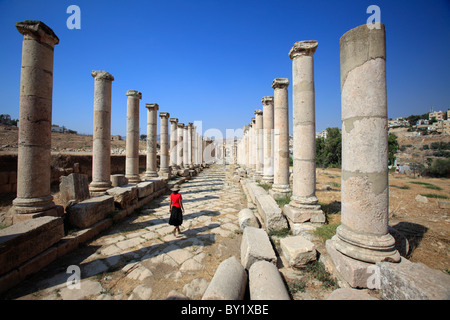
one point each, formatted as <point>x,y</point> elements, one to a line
<point>164,169</point>
<point>267,140</point>
<point>34,154</point>
<point>132,142</point>
<point>304,203</point>
<point>186,147</point>
<point>281,188</point>
<point>152,117</point>
<point>258,135</point>
<point>180,145</point>
<point>190,127</point>
<point>194,146</point>
<point>363,234</point>
<point>173,142</point>
<point>101,153</point>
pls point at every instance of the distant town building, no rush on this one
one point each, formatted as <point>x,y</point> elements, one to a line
<point>116,138</point>
<point>422,122</point>
<point>322,134</point>
<point>56,128</point>
<point>438,115</point>
<point>399,122</point>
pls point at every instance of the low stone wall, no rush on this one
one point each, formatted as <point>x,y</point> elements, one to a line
<point>62,165</point>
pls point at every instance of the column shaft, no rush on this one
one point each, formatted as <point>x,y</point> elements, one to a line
<point>164,169</point>
<point>173,142</point>
<point>151,140</point>
<point>35,118</point>
<point>132,142</point>
<point>180,146</point>
<point>268,139</point>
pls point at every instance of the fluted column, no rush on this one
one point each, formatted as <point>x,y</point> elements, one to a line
<point>267,103</point>
<point>304,203</point>
<point>173,142</point>
<point>281,187</point>
<point>164,169</point>
<point>101,154</point>
<point>152,116</point>
<point>35,118</point>
<point>132,142</point>
<point>190,126</point>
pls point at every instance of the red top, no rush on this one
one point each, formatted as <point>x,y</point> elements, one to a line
<point>176,199</point>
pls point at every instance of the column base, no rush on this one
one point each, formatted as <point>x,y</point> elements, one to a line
<point>165,173</point>
<point>32,205</point>
<point>365,247</point>
<point>267,179</point>
<point>98,188</point>
<point>17,217</point>
<point>279,192</point>
<point>304,210</point>
<point>149,175</point>
<point>134,179</point>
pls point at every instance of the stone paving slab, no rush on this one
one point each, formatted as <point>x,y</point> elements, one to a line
<point>140,258</point>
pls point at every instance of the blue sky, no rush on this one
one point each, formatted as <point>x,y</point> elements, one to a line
<point>214,60</point>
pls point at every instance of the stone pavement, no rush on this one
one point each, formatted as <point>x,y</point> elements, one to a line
<point>140,258</point>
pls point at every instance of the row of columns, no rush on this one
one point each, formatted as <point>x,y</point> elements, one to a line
<point>34,148</point>
<point>363,237</point>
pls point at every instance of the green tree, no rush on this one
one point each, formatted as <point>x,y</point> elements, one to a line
<point>328,151</point>
<point>392,148</point>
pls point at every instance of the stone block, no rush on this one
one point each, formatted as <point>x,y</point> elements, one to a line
<point>297,250</point>
<point>247,219</point>
<point>444,204</point>
<point>349,294</point>
<point>412,281</point>
<point>23,241</point>
<point>90,211</point>
<point>124,196</point>
<point>74,187</point>
<point>118,180</point>
<point>256,246</point>
<point>145,189</point>
<point>356,273</point>
<point>311,213</point>
<point>265,282</point>
<point>228,283</point>
<point>270,212</point>
<point>254,190</point>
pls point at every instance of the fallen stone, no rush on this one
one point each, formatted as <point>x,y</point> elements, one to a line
<point>118,180</point>
<point>256,246</point>
<point>422,199</point>
<point>74,187</point>
<point>297,250</point>
<point>408,280</point>
<point>265,282</point>
<point>444,204</point>
<point>90,211</point>
<point>271,213</point>
<point>124,196</point>
<point>349,294</point>
<point>228,283</point>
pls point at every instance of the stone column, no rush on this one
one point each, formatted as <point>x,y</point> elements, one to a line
<point>190,127</point>
<point>363,234</point>
<point>164,169</point>
<point>258,135</point>
<point>173,142</point>
<point>304,203</point>
<point>34,154</point>
<point>101,153</point>
<point>180,146</point>
<point>151,140</point>
<point>194,147</point>
<point>186,147</point>
<point>132,142</point>
<point>267,139</point>
<point>281,188</point>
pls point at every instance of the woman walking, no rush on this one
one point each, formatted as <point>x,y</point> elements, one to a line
<point>176,210</point>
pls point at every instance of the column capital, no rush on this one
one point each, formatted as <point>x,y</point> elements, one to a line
<point>180,125</point>
<point>253,120</point>
<point>190,125</point>
<point>102,75</point>
<point>280,83</point>
<point>267,100</point>
<point>134,93</point>
<point>38,30</point>
<point>258,112</point>
<point>303,48</point>
<point>164,114</point>
<point>173,120</point>
<point>152,106</point>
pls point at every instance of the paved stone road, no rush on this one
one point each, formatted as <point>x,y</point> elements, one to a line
<point>140,258</point>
